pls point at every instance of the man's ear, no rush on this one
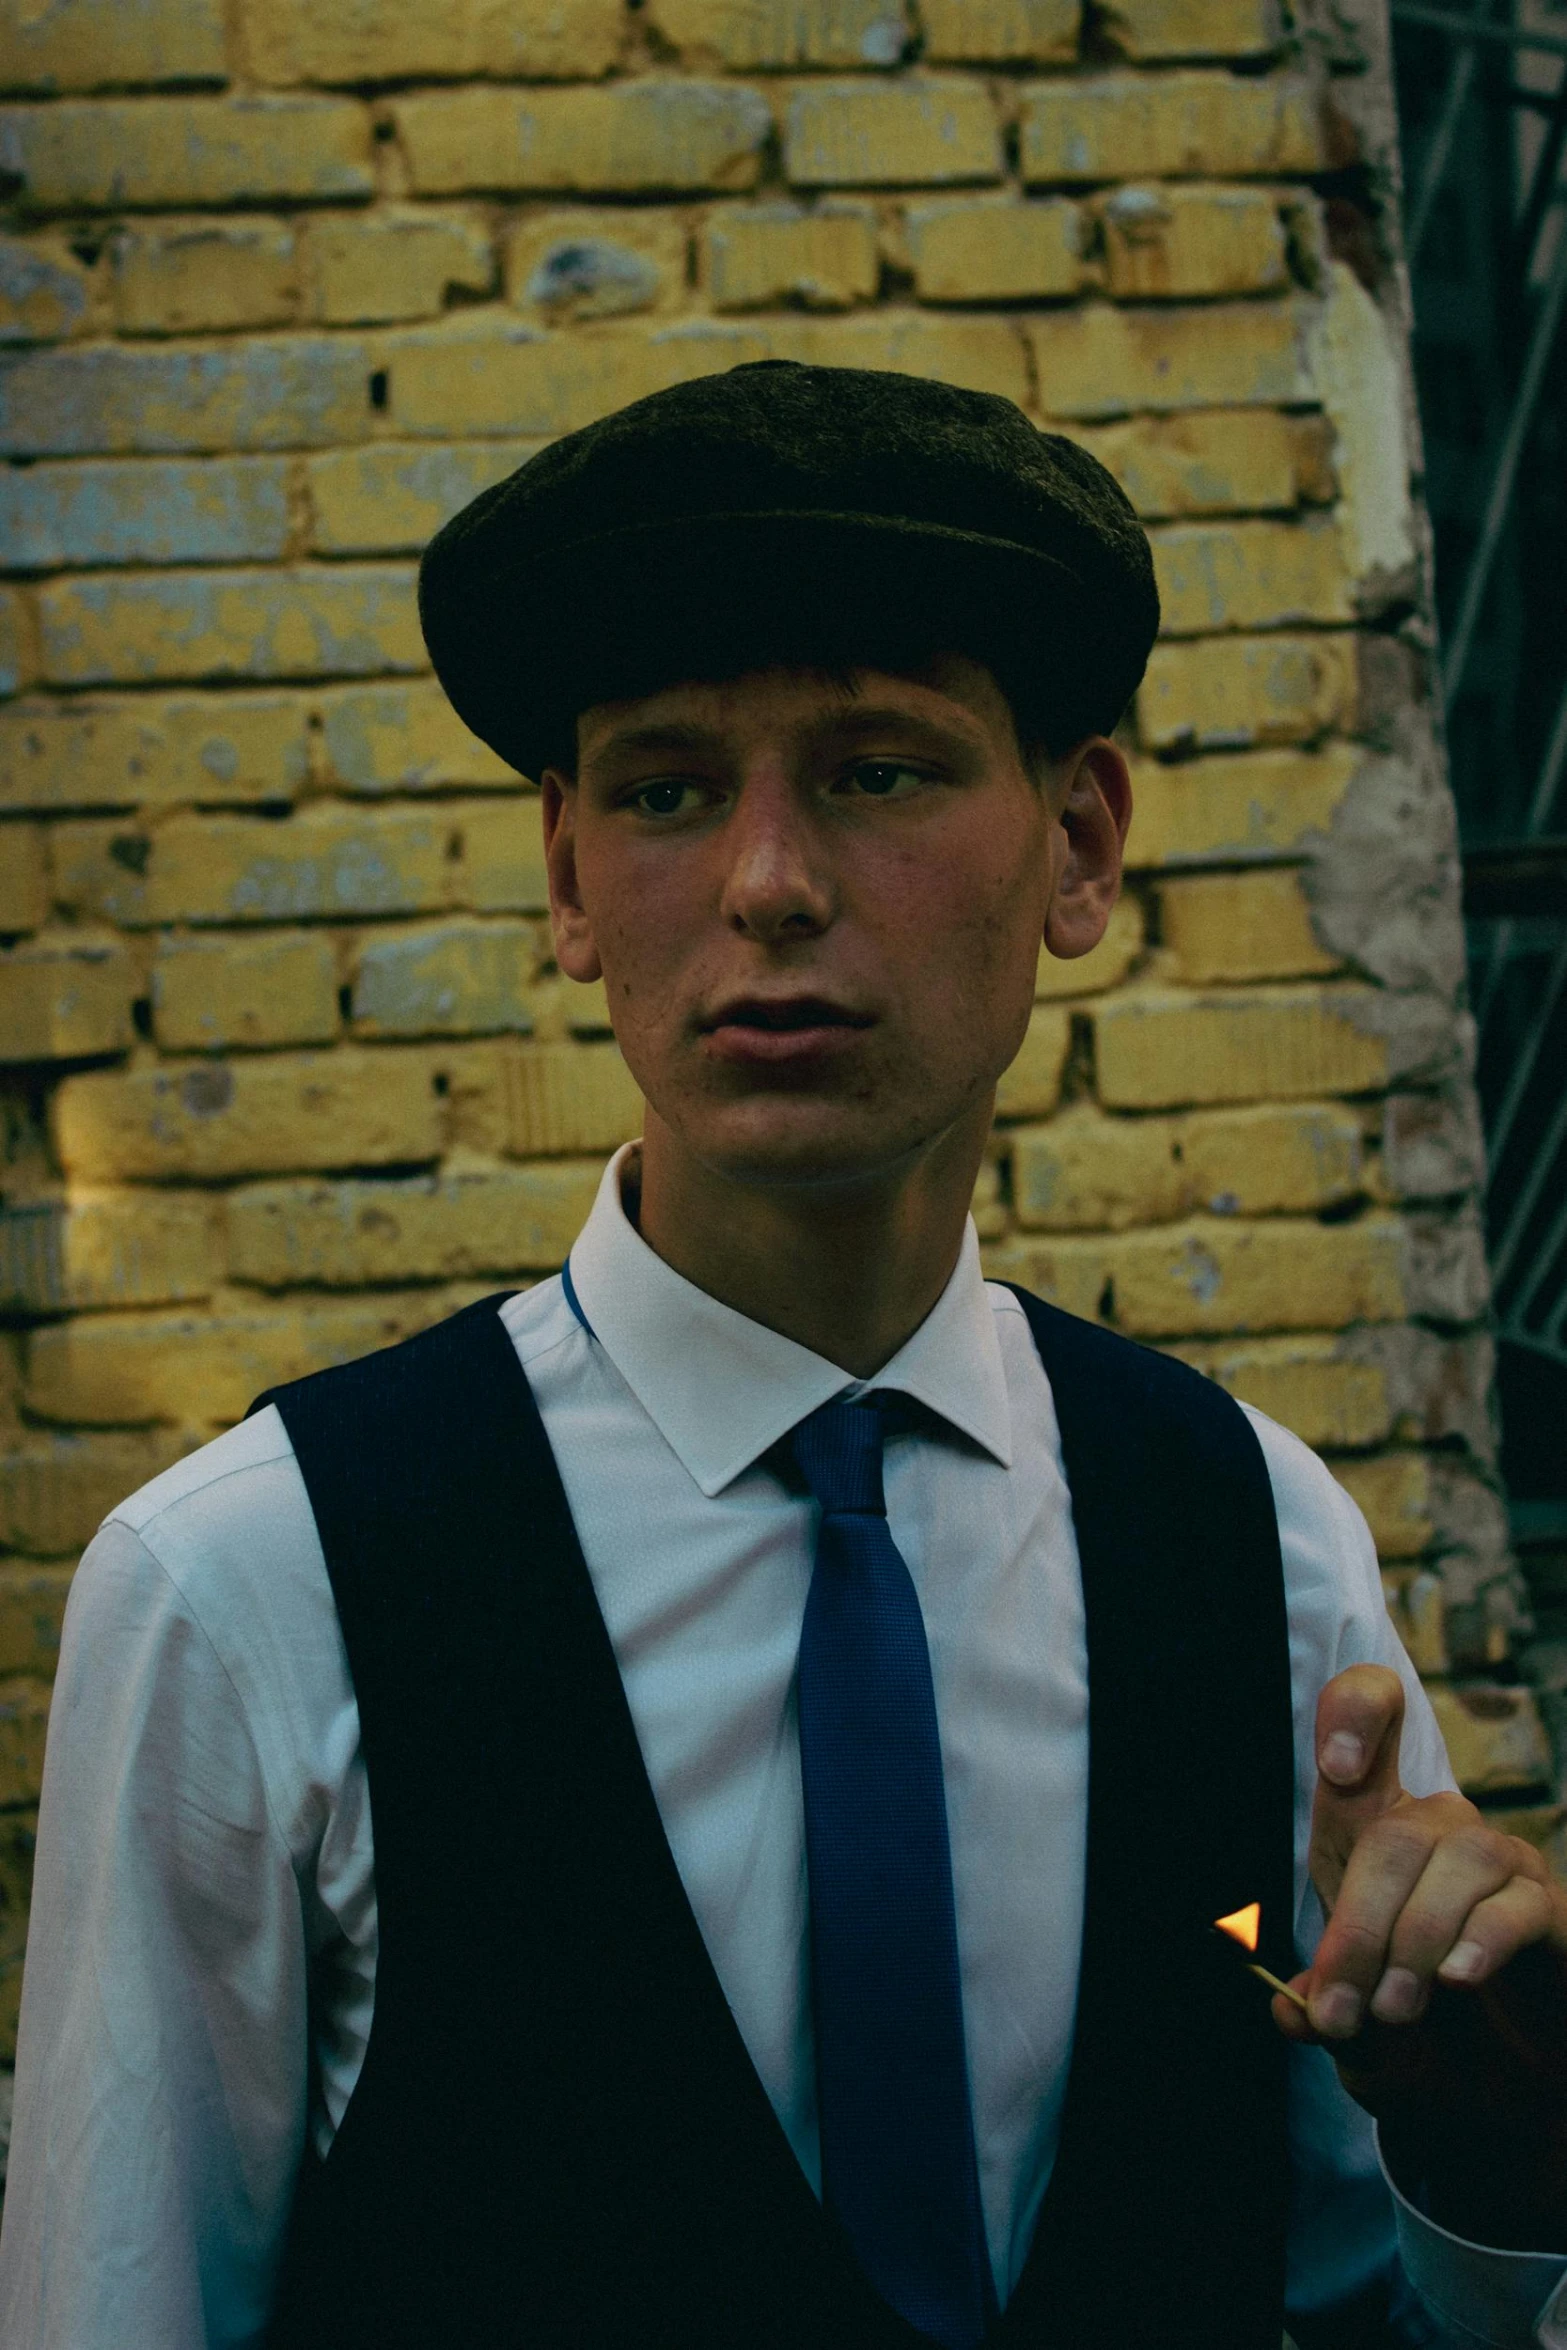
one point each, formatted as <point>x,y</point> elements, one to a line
<point>575,951</point>
<point>1092,791</point>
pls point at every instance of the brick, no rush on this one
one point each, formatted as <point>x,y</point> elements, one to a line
<point>209,993</point>
<point>45,292</point>
<point>265,1115</point>
<point>1432,1144</point>
<point>24,877</point>
<point>408,40</point>
<point>18,656</point>
<point>1103,966</point>
<point>80,44</point>
<point>1278,1275</point>
<point>1177,125</point>
<point>24,1718</point>
<point>1160,30</point>
<point>493,1220</point>
<point>500,846</point>
<point>570,1097</point>
<point>18,1836</point>
<point>753,256</point>
<point>401,263</point>
<point>56,1490</point>
<point>63,996</point>
<point>1494,1738</point>
<point>1164,242</point>
<point>32,1608</point>
<point>1306,1381</point>
<point>1218,1275</point>
<point>1221,575</point>
<point>1098,361</point>
<point>1031,1087</point>
<point>457,979</point>
<point>908,133</point>
<point>1249,805</point>
<point>1157,1050</point>
<point>153,752</point>
<point>386,738</point>
<point>1086,1172</point>
<point>107,1248</point>
<point>988,251</point>
<point>245,624</point>
<point>636,137</point>
<point>290,392</point>
<point>563,1007</point>
<point>180,277</point>
<point>140,510</point>
<point>111,152</point>
<point>204,1370</point>
<point>1231,926</point>
<point>1000,32</point>
<point>595,262</point>
<point>445,383</point>
<point>1415,1602</point>
<point>326,862</point>
<point>1229,692</point>
<point>1207,461</point>
<point>745,34</point>
<point>393,497</point>
<point>1393,1493</point>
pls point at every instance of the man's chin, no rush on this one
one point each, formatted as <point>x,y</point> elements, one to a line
<point>779,1144</point>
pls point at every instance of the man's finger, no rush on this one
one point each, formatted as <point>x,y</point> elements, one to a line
<point>1470,1866</point>
<point>1378,1875</point>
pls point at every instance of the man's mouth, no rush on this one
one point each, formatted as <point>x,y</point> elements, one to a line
<point>782,1014</point>
<point>781,1029</point>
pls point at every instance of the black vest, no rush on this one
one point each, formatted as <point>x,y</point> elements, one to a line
<point>558,2140</point>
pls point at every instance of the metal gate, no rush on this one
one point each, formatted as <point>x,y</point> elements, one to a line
<point>1482,96</point>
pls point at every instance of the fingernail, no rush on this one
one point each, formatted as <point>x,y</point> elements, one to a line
<point>1398,1996</point>
<point>1343,1757</point>
<point>1336,2011</point>
<point>1463,1962</point>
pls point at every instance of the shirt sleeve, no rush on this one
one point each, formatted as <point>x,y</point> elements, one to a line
<point>1347,2218</point>
<point>162,2067</point>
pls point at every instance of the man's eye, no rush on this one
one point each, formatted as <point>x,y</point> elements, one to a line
<point>667,797</point>
<point>885,779</point>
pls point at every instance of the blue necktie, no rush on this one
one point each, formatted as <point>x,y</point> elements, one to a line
<point>898,2165</point>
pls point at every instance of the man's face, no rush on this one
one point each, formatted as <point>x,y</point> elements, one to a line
<point>817,908</point>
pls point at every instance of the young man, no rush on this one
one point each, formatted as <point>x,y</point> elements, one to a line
<point>687,1806</point>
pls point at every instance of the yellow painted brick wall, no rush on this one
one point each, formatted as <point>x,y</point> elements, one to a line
<point>289,1071</point>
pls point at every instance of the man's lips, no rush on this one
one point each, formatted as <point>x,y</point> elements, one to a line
<point>777,1029</point>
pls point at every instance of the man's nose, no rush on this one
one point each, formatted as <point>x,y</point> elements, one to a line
<point>777,885</point>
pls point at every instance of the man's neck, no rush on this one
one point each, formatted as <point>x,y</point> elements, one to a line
<point>849,1271</point>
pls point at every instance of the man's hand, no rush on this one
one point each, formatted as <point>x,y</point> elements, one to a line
<point>1440,1985</point>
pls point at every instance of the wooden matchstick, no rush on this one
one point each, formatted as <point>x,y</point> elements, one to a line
<point>1273,1983</point>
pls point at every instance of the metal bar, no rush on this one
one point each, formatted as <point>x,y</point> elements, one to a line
<point>1460,74</point>
<point>1543,190</point>
<point>1550,772</point>
<point>1444,20</point>
<point>1479,574</point>
<point>1523,1067</point>
<point>1551,1247</point>
<point>1496,966</point>
<point>1544,1159</point>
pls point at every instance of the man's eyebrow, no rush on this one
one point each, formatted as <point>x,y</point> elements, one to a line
<point>669,736</point>
<point>860,721</point>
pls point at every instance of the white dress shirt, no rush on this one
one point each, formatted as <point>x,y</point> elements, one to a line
<point>205,1837</point>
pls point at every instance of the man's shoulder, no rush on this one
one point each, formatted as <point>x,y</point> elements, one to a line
<point>230,1473</point>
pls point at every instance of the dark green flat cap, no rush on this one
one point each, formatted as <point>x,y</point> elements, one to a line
<point>821,517</point>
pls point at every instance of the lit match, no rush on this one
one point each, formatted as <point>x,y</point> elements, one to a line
<point>1243,1926</point>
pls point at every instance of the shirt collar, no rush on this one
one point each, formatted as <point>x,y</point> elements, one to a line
<point>721,1389</point>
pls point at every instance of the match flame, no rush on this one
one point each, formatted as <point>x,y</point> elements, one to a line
<point>1242,1925</point>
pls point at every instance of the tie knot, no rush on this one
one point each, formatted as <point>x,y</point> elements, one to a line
<point>838,1450</point>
